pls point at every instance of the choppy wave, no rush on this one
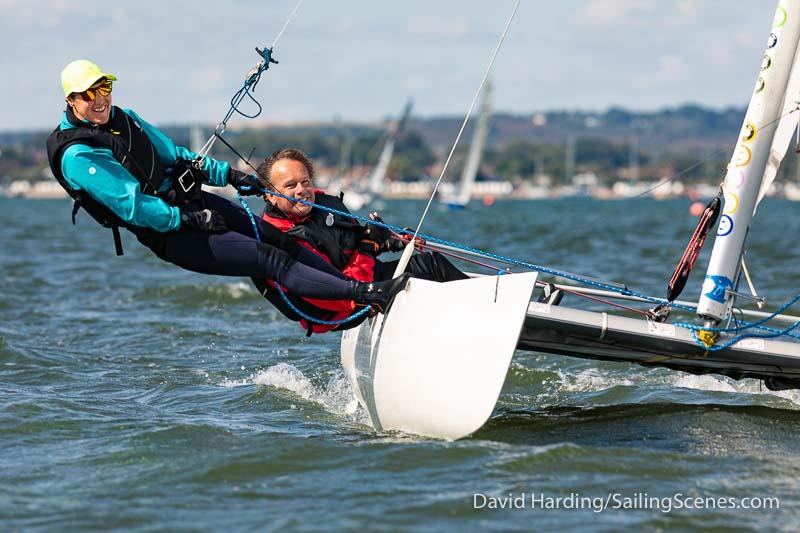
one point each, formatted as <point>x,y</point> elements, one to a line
<point>336,396</point>
<point>213,292</point>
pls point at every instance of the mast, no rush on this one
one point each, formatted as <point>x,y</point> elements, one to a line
<point>569,159</point>
<point>376,179</point>
<point>749,161</point>
<point>476,148</point>
<point>196,138</point>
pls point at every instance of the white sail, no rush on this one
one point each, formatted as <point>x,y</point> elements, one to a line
<point>379,173</point>
<point>470,171</point>
<point>785,129</point>
<point>749,162</point>
<point>196,141</point>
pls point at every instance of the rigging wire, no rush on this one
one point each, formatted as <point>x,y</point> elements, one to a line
<point>713,155</point>
<point>285,24</point>
<point>466,118</point>
<point>251,80</point>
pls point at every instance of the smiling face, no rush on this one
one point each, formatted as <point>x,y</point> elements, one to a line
<point>290,178</point>
<point>94,104</point>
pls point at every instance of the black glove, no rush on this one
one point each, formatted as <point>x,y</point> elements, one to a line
<point>246,184</point>
<point>393,244</point>
<point>205,220</point>
<point>375,238</point>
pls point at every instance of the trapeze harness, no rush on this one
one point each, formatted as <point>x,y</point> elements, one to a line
<point>332,234</point>
<point>134,150</point>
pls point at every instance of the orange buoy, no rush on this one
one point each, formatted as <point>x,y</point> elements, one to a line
<point>696,209</point>
<point>488,200</point>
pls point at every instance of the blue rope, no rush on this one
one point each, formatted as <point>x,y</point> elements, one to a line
<point>249,214</point>
<point>627,292</point>
<point>772,333</point>
<point>309,318</point>
<point>305,316</point>
<point>747,325</point>
<point>249,87</point>
<point>497,257</point>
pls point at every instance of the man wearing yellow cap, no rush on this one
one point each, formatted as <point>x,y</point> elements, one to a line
<point>126,173</point>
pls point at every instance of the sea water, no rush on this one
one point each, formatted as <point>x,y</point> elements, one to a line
<point>138,396</point>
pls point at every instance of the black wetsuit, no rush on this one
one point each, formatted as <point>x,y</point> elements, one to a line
<point>124,147</point>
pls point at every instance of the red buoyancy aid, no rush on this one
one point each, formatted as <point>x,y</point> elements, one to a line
<point>335,239</point>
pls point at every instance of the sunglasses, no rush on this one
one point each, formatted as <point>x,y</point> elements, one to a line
<point>103,89</point>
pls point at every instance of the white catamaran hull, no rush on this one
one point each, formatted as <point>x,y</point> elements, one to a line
<point>437,362</point>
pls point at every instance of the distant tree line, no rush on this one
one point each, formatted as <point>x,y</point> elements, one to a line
<point>690,141</point>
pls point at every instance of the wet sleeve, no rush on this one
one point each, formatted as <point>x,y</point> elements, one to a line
<point>95,171</point>
<point>168,152</point>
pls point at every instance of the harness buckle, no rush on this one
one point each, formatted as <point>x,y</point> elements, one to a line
<point>192,182</point>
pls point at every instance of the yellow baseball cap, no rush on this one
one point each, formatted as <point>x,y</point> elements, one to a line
<point>80,75</point>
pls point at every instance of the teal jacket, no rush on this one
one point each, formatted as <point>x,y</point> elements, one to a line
<point>96,171</point>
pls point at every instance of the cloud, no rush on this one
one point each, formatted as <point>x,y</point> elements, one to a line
<point>21,15</point>
<point>620,12</point>
<point>639,14</point>
<point>438,29</point>
<point>687,10</point>
<point>670,70</point>
<point>208,80</point>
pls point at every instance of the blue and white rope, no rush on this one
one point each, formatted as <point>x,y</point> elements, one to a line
<point>771,333</point>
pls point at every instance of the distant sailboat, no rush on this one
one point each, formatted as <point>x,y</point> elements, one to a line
<point>376,180</point>
<point>338,185</point>
<point>461,198</point>
<point>356,198</point>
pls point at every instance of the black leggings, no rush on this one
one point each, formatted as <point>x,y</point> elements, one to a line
<point>237,253</point>
<point>432,266</point>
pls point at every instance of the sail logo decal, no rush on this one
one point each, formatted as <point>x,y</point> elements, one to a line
<point>538,307</point>
<point>731,203</point>
<point>760,84</point>
<point>743,156</point>
<point>750,132</point>
<point>725,226</point>
<point>731,182</point>
<point>772,41</point>
<point>751,343</point>
<point>780,18</point>
<point>667,330</point>
<point>720,285</point>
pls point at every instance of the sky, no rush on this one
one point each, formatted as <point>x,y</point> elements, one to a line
<point>179,62</point>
